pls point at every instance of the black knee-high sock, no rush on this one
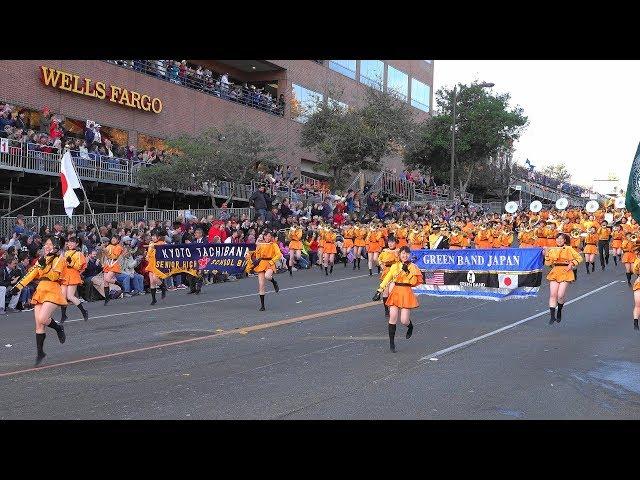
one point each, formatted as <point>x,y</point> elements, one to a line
<point>262,301</point>
<point>575,273</point>
<point>290,270</point>
<point>40,343</point>
<point>106,294</point>
<point>64,313</point>
<point>635,324</point>
<point>359,264</point>
<point>378,268</point>
<point>552,311</point>
<point>84,312</point>
<point>54,325</point>
<point>386,307</point>
<point>593,266</point>
<point>629,278</point>
<point>392,334</point>
<point>153,294</point>
<point>409,329</point>
<point>331,268</point>
<point>586,264</point>
<point>559,315</point>
<point>615,260</point>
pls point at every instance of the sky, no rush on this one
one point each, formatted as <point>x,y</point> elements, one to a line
<point>583,113</point>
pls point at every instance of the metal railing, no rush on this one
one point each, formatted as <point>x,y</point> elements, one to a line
<point>169,71</point>
<point>32,158</point>
<point>7,223</point>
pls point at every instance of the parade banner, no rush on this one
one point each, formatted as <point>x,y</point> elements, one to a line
<point>193,257</point>
<point>492,274</point>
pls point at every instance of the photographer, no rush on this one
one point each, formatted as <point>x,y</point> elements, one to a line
<point>9,276</point>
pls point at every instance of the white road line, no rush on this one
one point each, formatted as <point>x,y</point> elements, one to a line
<point>458,346</point>
<point>209,301</point>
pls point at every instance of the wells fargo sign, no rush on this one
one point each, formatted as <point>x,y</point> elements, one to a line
<point>85,86</point>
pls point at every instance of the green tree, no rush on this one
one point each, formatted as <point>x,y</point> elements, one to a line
<point>558,171</point>
<point>230,154</point>
<point>357,138</point>
<point>486,126</point>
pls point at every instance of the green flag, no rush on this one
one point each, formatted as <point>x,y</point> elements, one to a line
<point>632,202</point>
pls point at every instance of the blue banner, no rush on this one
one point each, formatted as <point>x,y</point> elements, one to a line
<point>494,274</point>
<point>194,257</point>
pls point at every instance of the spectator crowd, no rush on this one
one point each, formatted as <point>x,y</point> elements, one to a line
<point>203,79</point>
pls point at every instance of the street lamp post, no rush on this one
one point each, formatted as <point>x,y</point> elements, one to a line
<point>453,134</point>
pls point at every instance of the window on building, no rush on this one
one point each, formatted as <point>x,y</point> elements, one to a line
<point>420,95</point>
<point>337,103</point>
<point>303,103</point>
<point>372,73</point>
<point>345,67</point>
<point>398,82</point>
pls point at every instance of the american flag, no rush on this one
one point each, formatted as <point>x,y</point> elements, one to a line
<point>434,278</point>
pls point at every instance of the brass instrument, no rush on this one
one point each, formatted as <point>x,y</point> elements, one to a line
<point>634,237</point>
<point>575,233</point>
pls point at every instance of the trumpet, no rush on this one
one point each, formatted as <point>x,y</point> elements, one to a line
<point>634,238</point>
<point>575,233</point>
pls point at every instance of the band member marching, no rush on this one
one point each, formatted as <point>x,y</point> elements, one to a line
<point>111,266</point>
<point>195,282</point>
<point>375,242</point>
<point>155,281</point>
<point>636,295</point>
<point>264,261</point>
<point>617,236</point>
<point>629,254</point>
<point>360,242</point>
<point>400,278</point>
<point>321,232</point>
<point>590,249</point>
<point>387,258</point>
<point>562,258</point>
<point>604,234</point>
<point>48,295</point>
<point>330,250</point>
<point>347,245</point>
<point>295,247</point>
<point>75,263</point>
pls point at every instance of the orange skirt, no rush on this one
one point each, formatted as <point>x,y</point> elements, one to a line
<point>72,277</point>
<point>265,265</point>
<point>374,247</point>
<point>628,257</point>
<point>360,242</point>
<point>402,296</point>
<point>590,249</point>
<point>48,291</point>
<point>616,244</point>
<point>560,274</point>
<point>330,248</point>
<point>551,242</point>
<point>636,285</point>
<point>295,245</point>
<point>348,243</point>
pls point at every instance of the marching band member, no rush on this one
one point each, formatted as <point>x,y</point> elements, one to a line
<point>75,263</point>
<point>525,237</point>
<point>416,238</point>
<point>295,246</point>
<point>347,245</point>
<point>629,254</point>
<point>550,233</point>
<point>604,234</point>
<point>506,238</point>
<point>616,243</point>
<point>330,250</point>
<point>48,295</point>
<point>195,281</point>
<point>483,237</point>
<point>401,234</point>
<point>157,238</point>
<point>590,248</point>
<point>636,294</point>
<point>386,259</point>
<point>375,242</point>
<point>264,264</point>
<point>456,240</point>
<point>401,277</point>
<point>562,258</point>
<point>360,242</point>
<point>495,232</point>
<point>321,232</point>
<point>111,266</point>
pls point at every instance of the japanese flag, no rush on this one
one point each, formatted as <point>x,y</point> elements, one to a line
<point>69,181</point>
<point>506,280</point>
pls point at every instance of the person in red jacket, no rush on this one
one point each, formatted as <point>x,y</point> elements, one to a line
<point>54,130</point>
<point>217,230</point>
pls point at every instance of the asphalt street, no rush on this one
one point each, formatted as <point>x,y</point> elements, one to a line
<point>321,351</point>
